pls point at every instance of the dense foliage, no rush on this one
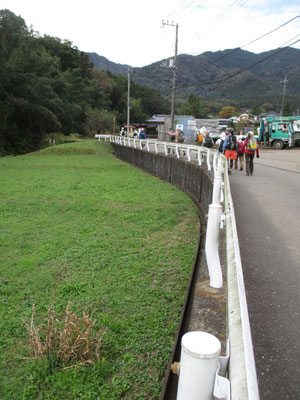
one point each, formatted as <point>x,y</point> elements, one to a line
<point>47,85</point>
<point>206,76</point>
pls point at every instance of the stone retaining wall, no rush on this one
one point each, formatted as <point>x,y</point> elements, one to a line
<point>194,179</point>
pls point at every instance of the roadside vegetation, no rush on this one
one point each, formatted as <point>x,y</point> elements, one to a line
<point>48,86</point>
<point>95,261</point>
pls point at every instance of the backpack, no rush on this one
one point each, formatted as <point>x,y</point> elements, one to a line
<point>232,145</point>
<point>181,137</point>
<point>240,150</point>
<point>251,144</point>
<point>208,142</point>
<point>220,148</point>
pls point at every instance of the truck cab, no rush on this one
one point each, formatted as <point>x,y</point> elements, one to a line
<point>296,126</point>
<point>277,133</point>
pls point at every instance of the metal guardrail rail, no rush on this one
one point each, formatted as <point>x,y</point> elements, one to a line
<point>242,370</point>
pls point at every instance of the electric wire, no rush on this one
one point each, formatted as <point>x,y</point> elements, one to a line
<point>179,6</point>
<point>236,5</point>
<point>254,64</point>
<point>192,10</point>
<point>184,8</point>
<point>255,40</point>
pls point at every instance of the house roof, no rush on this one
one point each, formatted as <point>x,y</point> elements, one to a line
<point>157,119</point>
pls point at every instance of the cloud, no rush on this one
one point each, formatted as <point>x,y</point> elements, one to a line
<point>131,33</point>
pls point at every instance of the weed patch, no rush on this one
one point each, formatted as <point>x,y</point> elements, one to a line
<point>68,343</point>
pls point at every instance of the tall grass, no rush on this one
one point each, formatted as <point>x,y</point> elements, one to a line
<point>77,225</point>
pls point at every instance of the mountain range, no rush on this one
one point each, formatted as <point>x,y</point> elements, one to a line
<point>229,74</point>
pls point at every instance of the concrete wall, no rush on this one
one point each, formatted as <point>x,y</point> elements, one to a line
<point>195,180</point>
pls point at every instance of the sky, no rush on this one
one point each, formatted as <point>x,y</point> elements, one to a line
<point>131,32</point>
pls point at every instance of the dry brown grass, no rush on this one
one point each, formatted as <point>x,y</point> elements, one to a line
<point>72,342</point>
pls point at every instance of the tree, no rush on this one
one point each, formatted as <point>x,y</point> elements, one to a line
<point>47,85</point>
<point>267,107</point>
<point>98,121</point>
<point>194,106</point>
<point>137,114</point>
<point>256,109</point>
<point>227,112</point>
<point>287,110</point>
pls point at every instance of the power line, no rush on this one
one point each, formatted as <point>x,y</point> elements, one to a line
<point>190,11</point>
<point>184,8</point>
<point>179,6</point>
<point>237,4</point>
<point>255,40</point>
<point>252,65</point>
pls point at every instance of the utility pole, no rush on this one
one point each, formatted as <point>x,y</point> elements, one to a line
<point>174,75</point>
<point>114,125</point>
<point>128,101</point>
<point>283,95</point>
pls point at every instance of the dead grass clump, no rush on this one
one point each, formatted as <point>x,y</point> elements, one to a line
<point>71,342</point>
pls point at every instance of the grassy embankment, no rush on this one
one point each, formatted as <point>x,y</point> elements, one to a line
<point>77,224</point>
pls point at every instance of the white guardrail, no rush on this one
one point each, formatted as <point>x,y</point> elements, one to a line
<point>242,372</point>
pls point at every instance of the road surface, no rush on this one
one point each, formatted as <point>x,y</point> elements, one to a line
<point>267,208</point>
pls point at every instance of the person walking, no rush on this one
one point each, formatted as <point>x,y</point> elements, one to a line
<point>250,148</point>
<point>180,136</point>
<point>199,138</point>
<point>142,134</point>
<point>220,142</point>
<point>230,147</point>
<point>240,154</point>
<point>172,135</point>
<point>207,141</point>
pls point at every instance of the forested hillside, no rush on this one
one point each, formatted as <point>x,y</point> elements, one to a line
<point>47,86</point>
<point>232,76</point>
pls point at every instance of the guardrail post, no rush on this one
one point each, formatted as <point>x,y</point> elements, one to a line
<point>215,159</point>
<point>198,365</point>
<point>188,153</point>
<point>212,245</point>
<point>199,156</point>
<point>166,149</point>
<point>208,160</point>
<point>217,182</point>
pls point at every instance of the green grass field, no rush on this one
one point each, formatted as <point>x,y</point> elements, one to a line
<point>78,224</point>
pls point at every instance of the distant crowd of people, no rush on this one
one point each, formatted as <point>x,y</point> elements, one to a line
<point>234,148</point>
<point>137,133</point>
<point>236,151</point>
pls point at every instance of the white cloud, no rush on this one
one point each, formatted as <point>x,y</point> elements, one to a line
<point>130,32</point>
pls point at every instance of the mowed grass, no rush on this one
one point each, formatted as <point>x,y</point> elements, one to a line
<point>78,224</point>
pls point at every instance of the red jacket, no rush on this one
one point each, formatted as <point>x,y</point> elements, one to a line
<point>248,151</point>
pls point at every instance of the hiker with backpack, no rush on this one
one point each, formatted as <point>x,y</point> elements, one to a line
<point>220,142</point>
<point>230,147</point>
<point>180,136</point>
<point>207,141</point>
<point>199,138</point>
<point>250,147</point>
<point>240,154</point>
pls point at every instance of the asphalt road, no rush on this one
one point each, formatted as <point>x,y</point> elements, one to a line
<point>267,207</point>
